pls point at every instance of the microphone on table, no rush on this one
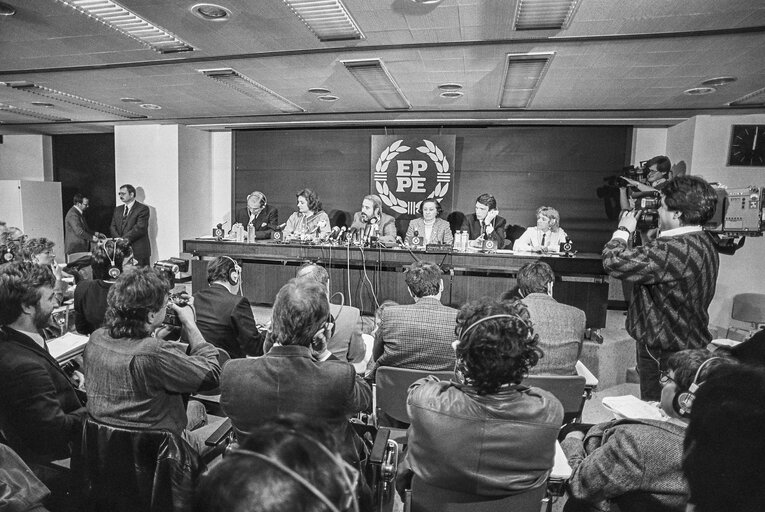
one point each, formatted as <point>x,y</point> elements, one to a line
<point>334,233</point>
<point>403,246</point>
<point>416,238</point>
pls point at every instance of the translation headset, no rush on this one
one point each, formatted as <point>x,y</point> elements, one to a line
<point>683,402</point>
<point>235,274</point>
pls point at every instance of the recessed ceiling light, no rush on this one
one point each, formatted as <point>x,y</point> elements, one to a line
<point>42,104</point>
<point>328,97</point>
<point>452,94</point>
<point>450,86</point>
<point>718,81</point>
<point>211,12</point>
<point>319,90</point>
<point>7,10</point>
<point>150,106</point>
<point>699,91</point>
<point>131,100</point>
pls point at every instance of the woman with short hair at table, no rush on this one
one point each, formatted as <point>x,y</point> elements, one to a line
<point>546,236</point>
<point>310,219</point>
<point>429,228</point>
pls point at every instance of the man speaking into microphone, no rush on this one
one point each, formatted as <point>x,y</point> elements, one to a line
<point>371,220</point>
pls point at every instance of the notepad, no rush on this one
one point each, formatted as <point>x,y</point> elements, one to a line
<point>631,407</point>
<point>67,346</point>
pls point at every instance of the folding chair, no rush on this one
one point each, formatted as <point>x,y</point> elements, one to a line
<point>569,389</point>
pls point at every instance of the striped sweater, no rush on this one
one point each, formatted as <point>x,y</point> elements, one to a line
<point>675,279</point>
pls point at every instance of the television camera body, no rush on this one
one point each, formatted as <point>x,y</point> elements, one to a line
<point>171,317</point>
<point>739,212</point>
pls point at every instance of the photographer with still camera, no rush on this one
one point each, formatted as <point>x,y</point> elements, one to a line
<point>674,277</point>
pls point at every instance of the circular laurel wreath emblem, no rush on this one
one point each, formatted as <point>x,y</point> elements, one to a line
<point>389,154</point>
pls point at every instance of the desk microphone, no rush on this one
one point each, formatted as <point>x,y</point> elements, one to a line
<point>334,233</point>
<point>403,246</point>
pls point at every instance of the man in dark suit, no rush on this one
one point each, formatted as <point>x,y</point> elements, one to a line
<point>40,413</point>
<point>485,223</point>
<point>418,336</point>
<point>131,222</point>
<point>263,217</point>
<point>288,379</point>
<point>224,318</point>
<point>77,233</point>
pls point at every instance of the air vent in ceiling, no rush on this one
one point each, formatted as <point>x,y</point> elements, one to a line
<point>375,78</point>
<point>329,20</point>
<point>543,14</point>
<point>523,74</point>
<point>753,98</point>
<point>25,113</point>
<point>246,85</point>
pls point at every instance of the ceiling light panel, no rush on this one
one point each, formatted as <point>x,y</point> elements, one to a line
<point>249,87</point>
<point>753,98</point>
<point>543,14</point>
<point>24,114</point>
<point>127,22</point>
<point>71,99</point>
<point>329,20</point>
<point>523,74</point>
<point>375,78</point>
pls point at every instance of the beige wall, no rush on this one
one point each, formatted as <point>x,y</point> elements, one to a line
<point>26,157</point>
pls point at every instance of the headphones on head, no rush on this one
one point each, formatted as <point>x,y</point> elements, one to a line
<point>683,402</point>
<point>263,198</point>
<point>463,333</point>
<point>235,274</point>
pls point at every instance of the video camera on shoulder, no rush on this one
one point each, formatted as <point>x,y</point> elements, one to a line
<point>739,211</point>
<point>171,317</point>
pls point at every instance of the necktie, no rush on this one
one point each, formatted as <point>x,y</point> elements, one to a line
<point>125,212</point>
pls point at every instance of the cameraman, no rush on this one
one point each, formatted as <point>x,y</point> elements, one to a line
<point>658,171</point>
<point>674,277</point>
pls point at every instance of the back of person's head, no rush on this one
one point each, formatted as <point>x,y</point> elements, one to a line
<point>34,246</point>
<point>534,277</point>
<point>495,351</point>
<point>552,214</point>
<point>109,254</point>
<point>135,294</point>
<point>385,305</point>
<point>725,444</point>
<point>662,163</point>
<point>423,278</point>
<point>693,197</point>
<point>220,269</point>
<point>288,464</point>
<point>487,200</point>
<point>21,284</point>
<point>313,272</point>
<point>300,310</point>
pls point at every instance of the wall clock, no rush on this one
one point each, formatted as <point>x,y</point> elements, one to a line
<point>747,145</point>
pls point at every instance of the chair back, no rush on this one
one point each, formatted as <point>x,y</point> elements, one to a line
<point>428,498</point>
<point>126,470</point>
<point>392,385</point>
<point>749,307</point>
<point>568,389</point>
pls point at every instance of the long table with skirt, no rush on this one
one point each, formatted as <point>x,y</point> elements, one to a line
<point>362,275</point>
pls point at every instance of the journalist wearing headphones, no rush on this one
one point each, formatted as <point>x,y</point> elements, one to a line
<point>637,463</point>
<point>260,214</point>
<point>224,316</point>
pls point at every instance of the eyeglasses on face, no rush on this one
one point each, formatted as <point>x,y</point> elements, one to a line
<point>664,378</point>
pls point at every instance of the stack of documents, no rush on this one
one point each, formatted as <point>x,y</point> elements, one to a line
<point>67,346</point>
<point>631,407</point>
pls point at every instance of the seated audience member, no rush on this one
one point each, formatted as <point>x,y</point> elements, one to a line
<point>224,317</point>
<point>560,327</point>
<point>20,489</point>
<point>371,214</point>
<point>40,412</point>
<point>290,463</point>
<point>484,433</point>
<point>40,252</point>
<point>546,236</point>
<point>288,379</point>
<point>429,228</point>
<point>419,335</point>
<point>636,463</point>
<point>485,223</point>
<point>724,445</point>
<point>90,294</point>
<point>310,221</point>
<point>136,380</point>
<point>263,217</point>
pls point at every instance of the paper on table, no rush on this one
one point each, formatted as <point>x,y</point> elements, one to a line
<point>561,470</point>
<point>66,346</point>
<point>631,407</point>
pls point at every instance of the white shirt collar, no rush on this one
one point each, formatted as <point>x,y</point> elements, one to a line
<point>36,338</point>
<point>129,205</point>
<point>78,209</point>
<point>682,230</point>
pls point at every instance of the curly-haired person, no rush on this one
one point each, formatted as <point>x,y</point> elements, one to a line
<point>484,433</point>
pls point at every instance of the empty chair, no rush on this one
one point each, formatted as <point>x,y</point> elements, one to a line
<point>749,309</point>
<point>568,389</point>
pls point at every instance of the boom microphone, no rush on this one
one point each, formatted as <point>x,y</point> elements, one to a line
<point>401,244</point>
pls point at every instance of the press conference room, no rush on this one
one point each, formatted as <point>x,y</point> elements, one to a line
<point>451,173</point>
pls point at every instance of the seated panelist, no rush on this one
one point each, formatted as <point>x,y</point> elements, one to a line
<point>546,236</point>
<point>265,218</point>
<point>371,218</point>
<point>310,221</point>
<point>485,223</point>
<point>429,228</point>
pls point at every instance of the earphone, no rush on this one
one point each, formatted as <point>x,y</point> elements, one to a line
<point>235,274</point>
<point>463,334</point>
<point>263,198</point>
<point>683,402</point>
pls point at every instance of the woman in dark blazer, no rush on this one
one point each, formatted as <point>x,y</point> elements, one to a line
<point>429,228</point>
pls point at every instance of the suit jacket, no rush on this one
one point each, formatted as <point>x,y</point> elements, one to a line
<point>561,331</point>
<point>40,413</point>
<point>77,234</point>
<point>134,228</point>
<point>441,234</point>
<point>265,222</point>
<point>346,343</point>
<point>226,321</point>
<point>288,380</point>
<point>474,228</point>
<point>417,336</point>
<point>387,227</point>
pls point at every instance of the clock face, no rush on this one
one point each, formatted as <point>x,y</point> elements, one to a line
<point>747,146</point>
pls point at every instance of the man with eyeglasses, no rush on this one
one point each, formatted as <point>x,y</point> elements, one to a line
<point>637,463</point>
